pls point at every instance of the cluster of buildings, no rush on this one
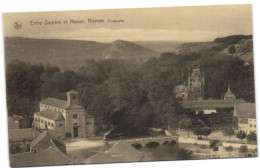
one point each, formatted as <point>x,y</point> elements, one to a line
<point>40,142</point>
<point>29,147</point>
<point>217,113</point>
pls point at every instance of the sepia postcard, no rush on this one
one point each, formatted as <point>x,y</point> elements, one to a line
<point>130,85</point>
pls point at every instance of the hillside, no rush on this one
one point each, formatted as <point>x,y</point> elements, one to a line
<point>128,50</point>
<point>161,46</point>
<point>69,54</point>
<point>219,48</point>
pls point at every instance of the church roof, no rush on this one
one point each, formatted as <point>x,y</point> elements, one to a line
<point>62,104</point>
<point>22,134</point>
<point>207,104</point>
<point>48,157</point>
<point>50,114</point>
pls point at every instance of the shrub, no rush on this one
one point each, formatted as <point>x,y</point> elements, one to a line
<point>241,135</point>
<point>67,134</point>
<point>252,137</point>
<point>243,149</point>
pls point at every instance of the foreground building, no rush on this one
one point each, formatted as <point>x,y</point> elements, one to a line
<point>246,115</point>
<point>49,157</point>
<point>18,122</point>
<point>20,139</point>
<point>65,118</point>
<point>45,141</point>
<point>120,152</point>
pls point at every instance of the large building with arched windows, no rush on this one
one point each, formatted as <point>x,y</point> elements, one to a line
<point>64,118</point>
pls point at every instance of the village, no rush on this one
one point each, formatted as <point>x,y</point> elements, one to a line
<point>223,128</point>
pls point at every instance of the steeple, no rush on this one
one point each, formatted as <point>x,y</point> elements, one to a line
<point>72,97</point>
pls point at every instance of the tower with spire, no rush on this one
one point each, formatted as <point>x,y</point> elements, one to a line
<point>196,83</point>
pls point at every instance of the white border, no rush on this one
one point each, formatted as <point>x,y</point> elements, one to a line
<point>50,5</point>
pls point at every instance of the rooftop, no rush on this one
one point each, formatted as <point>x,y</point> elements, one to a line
<point>203,104</point>
<point>125,151</point>
<point>48,157</point>
<point>45,140</point>
<point>50,114</point>
<point>120,152</point>
<point>245,111</point>
<point>62,104</point>
<point>28,134</point>
<point>102,158</point>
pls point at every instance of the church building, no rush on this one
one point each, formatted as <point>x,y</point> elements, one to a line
<point>196,85</point>
<point>63,117</point>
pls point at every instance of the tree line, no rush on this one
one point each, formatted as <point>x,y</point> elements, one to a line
<point>125,93</point>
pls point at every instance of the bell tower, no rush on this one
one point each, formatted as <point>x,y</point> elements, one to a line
<point>72,97</point>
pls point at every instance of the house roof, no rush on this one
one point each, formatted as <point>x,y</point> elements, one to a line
<point>244,111</point>
<point>253,115</point>
<point>50,114</point>
<point>62,104</point>
<point>242,120</point>
<point>18,118</point>
<point>203,104</point>
<point>120,152</point>
<point>102,158</point>
<point>48,157</point>
<point>125,152</point>
<point>45,140</point>
<point>22,134</point>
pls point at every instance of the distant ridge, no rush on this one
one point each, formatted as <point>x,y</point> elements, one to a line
<point>69,54</point>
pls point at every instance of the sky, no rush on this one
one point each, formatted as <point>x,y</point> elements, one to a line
<point>201,23</point>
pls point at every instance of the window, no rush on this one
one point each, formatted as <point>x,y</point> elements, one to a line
<point>60,125</point>
<point>49,123</point>
<point>45,122</point>
<point>42,121</point>
<point>75,116</point>
<point>35,119</point>
<point>52,124</point>
<point>255,126</point>
<point>250,125</point>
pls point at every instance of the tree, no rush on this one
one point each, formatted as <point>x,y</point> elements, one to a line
<point>67,134</point>
<point>241,135</point>
<point>229,149</point>
<point>206,131</point>
<point>198,131</point>
<point>184,154</point>
<point>232,49</point>
<point>228,132</point>
<point>243,149</point>
<point>215,149</point>
<point>186,124</point>
<point>252,137</point>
